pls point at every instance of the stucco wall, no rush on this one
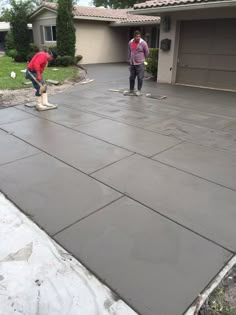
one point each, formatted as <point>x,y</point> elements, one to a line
<point>47,18</point>
<point>99,43</point>
<point>168,60</point>
<point>96,41</point>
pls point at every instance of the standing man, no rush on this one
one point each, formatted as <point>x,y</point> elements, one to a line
<point>137,53</point>
<point>34,73</point>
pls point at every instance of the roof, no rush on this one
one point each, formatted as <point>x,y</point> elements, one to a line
<point>114,15</point>
<point>169,3</point>
<point>5,26</point>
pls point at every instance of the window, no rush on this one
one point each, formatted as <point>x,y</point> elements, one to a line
<point>50,33</point>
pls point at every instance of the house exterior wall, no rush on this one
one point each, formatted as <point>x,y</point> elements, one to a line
<point>97,42</point>
<point>47,18</point>
<point>167,65</point>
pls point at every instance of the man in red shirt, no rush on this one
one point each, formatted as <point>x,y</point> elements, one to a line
<point>34,73</point>
<point>137,53</point>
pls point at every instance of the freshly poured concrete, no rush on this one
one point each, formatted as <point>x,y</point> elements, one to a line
<point>204,207</point>
<point>52,193</point>
<point>156,265</point>
<point>83,152</point>
<point>130,245</point>
<point>214,165</point>
<point>9,115</point>
<point>134,118</point>
<point>131,138</point>
<point>12,149</point>
<point>65,116</point>
<point>201,135</point>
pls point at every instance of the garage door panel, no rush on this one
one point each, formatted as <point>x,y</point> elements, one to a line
<point>196,29</point>
<point>207,53</point>
<point>193,46</point>
<point>220,62</point>
<point>198,76</point>
<point>226,79</point>
<point>224,46</point>
<point>225,28</point>
<point>199,61</point>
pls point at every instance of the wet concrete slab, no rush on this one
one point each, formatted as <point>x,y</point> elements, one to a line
<point>13,149</point>
<point>200,135</point>
<point>166,111</point>
<point>211,164</point>
<point>53,194</point>
<point>139,253</point>
<point>78,150</point>
<point>131,117</point>
<point>129,137</point>
<point>154,264</point>
<point>8,115</point>
<point>231,126</point>
<point>65,116</point>
<point>202,206</point>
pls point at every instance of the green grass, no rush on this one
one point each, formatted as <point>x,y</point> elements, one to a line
<point>7,65</point>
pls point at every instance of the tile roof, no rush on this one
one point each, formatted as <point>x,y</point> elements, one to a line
<point>116,15</point>
<point>166,3</point>
<point>4,26</point>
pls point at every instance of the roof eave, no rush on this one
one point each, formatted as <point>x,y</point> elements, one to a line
<point>183,7</point>
<point>38,11</point>
<point>93,18</point>
<point>121,24</point>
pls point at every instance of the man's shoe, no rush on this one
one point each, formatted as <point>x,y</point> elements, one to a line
<point>129,93</point>
<point>138,93</point>
<point>39,106</point>
<point>46,103</point>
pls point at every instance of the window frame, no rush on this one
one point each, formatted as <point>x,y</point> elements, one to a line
<point>51,31</point>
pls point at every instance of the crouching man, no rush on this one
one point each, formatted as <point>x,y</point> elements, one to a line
<point>34,73</point>
<point>137,53</point>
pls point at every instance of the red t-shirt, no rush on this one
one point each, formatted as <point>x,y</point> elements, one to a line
<point>134,45</point>
<point>38,62</point>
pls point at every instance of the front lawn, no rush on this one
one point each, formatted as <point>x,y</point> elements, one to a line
<point>7,65</point>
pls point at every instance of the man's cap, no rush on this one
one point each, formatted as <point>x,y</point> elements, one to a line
<point>53,53</point>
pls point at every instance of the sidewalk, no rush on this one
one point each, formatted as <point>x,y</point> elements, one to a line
<point>140,191</point>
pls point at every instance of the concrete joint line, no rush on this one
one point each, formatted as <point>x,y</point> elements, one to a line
<point>173,146</point>
<point>205,179</point>
<point>79,131</point>
<point>85,217</point>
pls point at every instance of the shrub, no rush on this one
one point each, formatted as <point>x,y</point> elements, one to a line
<point>65,28</point>
<point>67,61</point>
<point>9,41</point>
<point>52,48</point>
<point>152,61</point>
<point>34,48</point>
<point>11,53</point>
<point>20,57</point>
<point>30,56</point>
<point>19,18</point>
<point>56,62</point>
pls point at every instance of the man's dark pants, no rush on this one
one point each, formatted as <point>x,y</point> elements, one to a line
<point>136,71</point>
<point>35,84</point>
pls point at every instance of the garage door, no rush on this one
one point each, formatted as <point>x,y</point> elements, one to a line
<point>207,53</point>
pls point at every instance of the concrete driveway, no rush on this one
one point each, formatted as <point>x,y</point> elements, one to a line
<point>141,191</point>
